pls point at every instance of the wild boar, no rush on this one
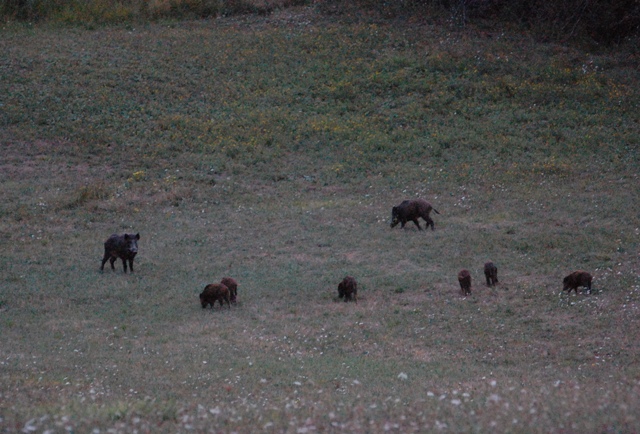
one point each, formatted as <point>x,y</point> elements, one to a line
<point>231,283</point>
<point>124,247</point>
<point>576,279</point>
<point>214,292</point>
<point>348,288</point>
<point>412,210</point>
<point>464,277</point>
<point>491,273</point>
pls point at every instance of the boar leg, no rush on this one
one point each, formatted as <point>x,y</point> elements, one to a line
<point>430,223</point>
<point>104,261</point>
<point>415,220</point>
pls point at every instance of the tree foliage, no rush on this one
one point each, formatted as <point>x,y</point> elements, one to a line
<point>604,21</point>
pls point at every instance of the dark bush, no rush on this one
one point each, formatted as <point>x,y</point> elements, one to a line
<point>23,9</point>
<point>603,21</point>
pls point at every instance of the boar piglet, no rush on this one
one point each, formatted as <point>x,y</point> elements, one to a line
<point>214,292</point>
<point>348,288</point>
<point>231,283</point>
<point>576,279</point>
<point>491,273</point>
<point>464,277</point>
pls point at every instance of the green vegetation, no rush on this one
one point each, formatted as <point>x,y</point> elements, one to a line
<point>272,149</point>
<point>609,22</point>
<point>96,12</point>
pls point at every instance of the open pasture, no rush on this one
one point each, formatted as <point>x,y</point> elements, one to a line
<point>272,149</point>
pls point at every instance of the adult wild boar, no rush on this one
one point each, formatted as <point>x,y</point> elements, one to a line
<point>464,277</point>
<point>576,279</point>
<point>491,273</point>
<point>124,247</point>
<point>348,288</point>
<point>231,283</point>
<point>412,210</point>
<point>214,292</point>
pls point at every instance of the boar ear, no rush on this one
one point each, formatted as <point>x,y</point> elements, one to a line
<point>126,236</point>
<point>138,236</point>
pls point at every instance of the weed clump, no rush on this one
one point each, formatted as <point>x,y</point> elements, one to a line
<point>89,193</point>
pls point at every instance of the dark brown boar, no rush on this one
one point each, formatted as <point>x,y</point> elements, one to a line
<point>491,273</point>
<point>464,277</point>
<point>214,292</point>
<point>576,279</point>
<point>412,210</point>
<point>348,288</point>
<point>231,283</point>
<point>124,247</point>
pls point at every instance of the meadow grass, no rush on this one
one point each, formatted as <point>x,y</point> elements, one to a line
<point>272,149</point>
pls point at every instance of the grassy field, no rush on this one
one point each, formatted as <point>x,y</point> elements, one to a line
<point>272,149</point>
